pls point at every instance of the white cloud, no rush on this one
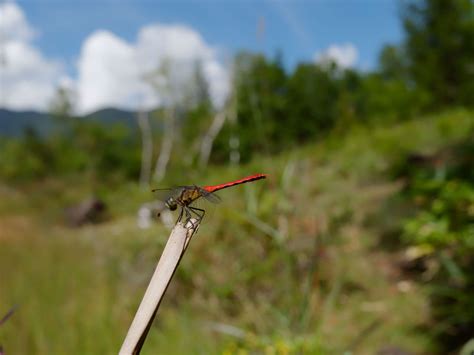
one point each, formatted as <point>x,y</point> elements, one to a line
<point>27,79</point>
<point>112,71</point>
<point>344,55</point>
<point>13,24</point>
<point>108,73</point>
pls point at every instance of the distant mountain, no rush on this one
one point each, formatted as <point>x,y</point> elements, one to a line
<point>113,115</point>
<point>13,123</point>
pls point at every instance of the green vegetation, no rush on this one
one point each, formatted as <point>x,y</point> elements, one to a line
<point>361,238</point>
<point>85,147</point>
<point>441,231</point>
<point>298,262</point>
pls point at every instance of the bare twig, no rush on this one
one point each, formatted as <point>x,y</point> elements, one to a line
<point>172,254</point>
<point>364,334</point>
<point>8,314</point>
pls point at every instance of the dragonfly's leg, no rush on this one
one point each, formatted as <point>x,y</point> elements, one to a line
<point>200,214</point>
<point>188,212</point>
<point>180,215</point>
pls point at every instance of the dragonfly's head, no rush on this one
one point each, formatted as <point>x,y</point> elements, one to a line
<point>171,204</point>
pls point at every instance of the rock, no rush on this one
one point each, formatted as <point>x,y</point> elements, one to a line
<point>88,211</point>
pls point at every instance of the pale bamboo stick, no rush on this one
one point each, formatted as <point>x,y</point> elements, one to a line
<point>169,260</point>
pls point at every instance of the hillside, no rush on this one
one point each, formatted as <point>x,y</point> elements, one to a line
<point>301,263</point>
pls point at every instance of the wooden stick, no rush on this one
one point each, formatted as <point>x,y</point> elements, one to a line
<point>169,260</point>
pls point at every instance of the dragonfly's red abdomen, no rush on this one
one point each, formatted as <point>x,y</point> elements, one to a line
<point>214,188</point>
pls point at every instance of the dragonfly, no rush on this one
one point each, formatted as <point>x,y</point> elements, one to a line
<point>184,196</point>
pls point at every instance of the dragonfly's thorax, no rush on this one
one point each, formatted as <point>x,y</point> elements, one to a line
<point>188,196</point>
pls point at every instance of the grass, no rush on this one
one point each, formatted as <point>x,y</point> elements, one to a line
<point>294,267</point>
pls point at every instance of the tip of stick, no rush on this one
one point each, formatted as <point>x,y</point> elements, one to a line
<point>191,223</point>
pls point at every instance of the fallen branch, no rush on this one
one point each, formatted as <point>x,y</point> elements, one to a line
<point>169,260</point>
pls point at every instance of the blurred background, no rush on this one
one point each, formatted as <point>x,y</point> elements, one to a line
<point>361,241</point>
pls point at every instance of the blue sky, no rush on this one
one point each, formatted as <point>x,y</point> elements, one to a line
<point>298,29</point>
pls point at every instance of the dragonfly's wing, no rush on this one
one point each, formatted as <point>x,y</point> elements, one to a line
<point>210,196</point>
<point>163,194</point>
<point>164,189</point>
<point>172,188</point>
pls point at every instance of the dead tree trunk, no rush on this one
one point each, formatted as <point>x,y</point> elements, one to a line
<point>210,136</point>
<point>166,145</point>
<point>147,148</point>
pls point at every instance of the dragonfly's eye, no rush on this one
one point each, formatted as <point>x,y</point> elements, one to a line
<point>171,204</point>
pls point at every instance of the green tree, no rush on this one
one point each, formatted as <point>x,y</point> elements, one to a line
<point>440,48</point>
<point>350,99</point>
<point>260,89</point>
<point>61,107</point>
<point>312,97</point>
<point>392,63</point>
